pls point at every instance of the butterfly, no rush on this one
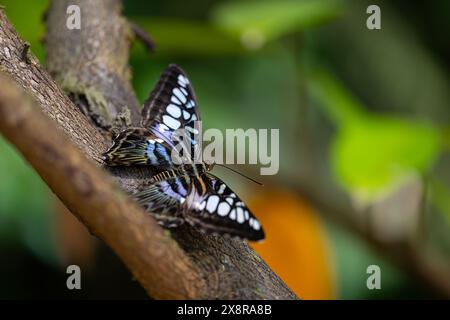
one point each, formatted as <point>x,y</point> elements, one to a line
<point>183,192</point>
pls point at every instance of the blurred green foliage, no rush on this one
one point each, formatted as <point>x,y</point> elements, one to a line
<point>440,194</point>
<point>25,215</point>
<point>352,257</point>
<point>29,15</point>
<point>258,22</point>
<point>187,37</point>
<point>373,154</point>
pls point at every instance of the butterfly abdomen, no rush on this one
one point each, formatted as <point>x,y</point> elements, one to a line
<point>165,175</point>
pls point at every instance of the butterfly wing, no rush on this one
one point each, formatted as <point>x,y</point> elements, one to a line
<point>205,202</point>
<point>139,146</point>
<point>164,200</point>
<point>171,106</point>
<point>217,209</point>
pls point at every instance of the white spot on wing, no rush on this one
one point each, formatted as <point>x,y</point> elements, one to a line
<point>240,215</point>
<point>223,209</point>
<point>256,224</point>
<point>182,80</point>
<point>190,104</point>
<point>232,215</point>
<point>212,203</point>
<point>246,215</point>
<point>175,100</point>
<point>177,92</point>
<point>171,122</point>
<point>229,200</point>
<point>173,110</point>
<point>186,115</point>
<point>222,188</point>
<point>184,91</point>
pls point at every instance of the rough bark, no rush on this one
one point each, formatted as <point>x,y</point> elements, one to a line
<point>153,257</point>
<point>94,72</point>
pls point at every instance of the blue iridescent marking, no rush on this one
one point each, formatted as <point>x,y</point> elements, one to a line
<point>181,188</point>
<point>150,153</point>
<point>162,152</point>
<point>167,189</point>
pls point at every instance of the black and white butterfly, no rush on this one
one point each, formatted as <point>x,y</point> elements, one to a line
<point>185,192</point>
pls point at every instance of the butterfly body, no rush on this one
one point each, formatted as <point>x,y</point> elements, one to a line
<point>183,192</point>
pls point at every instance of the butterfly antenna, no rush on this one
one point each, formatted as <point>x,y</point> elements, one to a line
<point>239,173</point>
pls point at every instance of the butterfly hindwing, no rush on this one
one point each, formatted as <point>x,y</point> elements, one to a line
<point>215,209</point>
<point>220,210</point>
<point>164,200</point>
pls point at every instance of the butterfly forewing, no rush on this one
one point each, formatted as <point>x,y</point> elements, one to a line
<point>172,104</point>
<point>139,146</point>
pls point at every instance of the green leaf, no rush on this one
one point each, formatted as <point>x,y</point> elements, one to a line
<point>373,154</point>
<point>376,155</point>
<point>257,22</point>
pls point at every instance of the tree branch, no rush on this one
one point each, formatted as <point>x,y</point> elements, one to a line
<point>92,75</point>
<point>155,260</point>
<point>92,63</point>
